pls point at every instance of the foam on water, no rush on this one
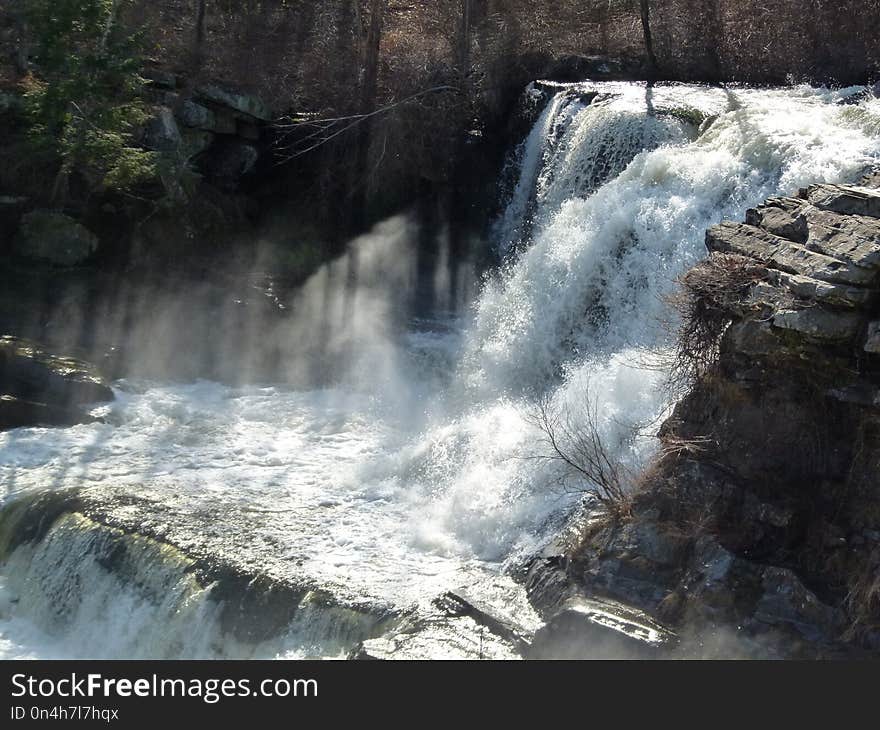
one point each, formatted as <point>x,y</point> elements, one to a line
<point>397,492</point>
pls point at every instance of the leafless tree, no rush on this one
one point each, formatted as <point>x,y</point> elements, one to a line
<point>645,11</point>
<point>199,36</point>
<point>573,440</point>
<point>368,92</point>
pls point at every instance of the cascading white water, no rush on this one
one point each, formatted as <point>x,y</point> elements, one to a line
<point>406,476</point>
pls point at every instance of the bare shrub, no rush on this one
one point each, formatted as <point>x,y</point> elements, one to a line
<point>706,301</point>
<point>863,599</point>
<point>573,440</point>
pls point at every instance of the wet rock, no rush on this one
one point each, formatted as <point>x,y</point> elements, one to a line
<point>787,603</point>
<point>18,413</point>
<point>31,375</point>
<point>548,585</point>
<point>162,133</point>
<point>793,258</point>
<point>846,199</point>
<point>720,585</point>
<point>436,637</point>
<point>650,540</point>
<point>714,561</point>
<point>456,605</point>
<point>635,562</point>
<point>55,238</point>
<point>594,629</point>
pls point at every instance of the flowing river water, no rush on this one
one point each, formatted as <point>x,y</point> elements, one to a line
<point>394,465</point>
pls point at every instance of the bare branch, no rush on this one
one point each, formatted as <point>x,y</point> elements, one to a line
<point>325,125</point>
<point>574,441</point>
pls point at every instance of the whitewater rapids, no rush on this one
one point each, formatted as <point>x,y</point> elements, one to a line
<point>407,475</point>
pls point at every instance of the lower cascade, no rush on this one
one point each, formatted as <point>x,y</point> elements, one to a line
<point>384,501</point>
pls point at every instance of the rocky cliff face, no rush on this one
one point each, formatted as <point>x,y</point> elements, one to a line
<point>757,530</point>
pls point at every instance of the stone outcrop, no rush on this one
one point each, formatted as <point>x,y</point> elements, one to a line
<point>455,626</point>
<point>40,388</point>
<point>219,129</point>
<point>128,534</point>
<point>586,628</point>
<point>756,533</point>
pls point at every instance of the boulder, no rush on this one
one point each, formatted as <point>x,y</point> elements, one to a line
<point>19,413</point>
<point>192,114</point>
<point>162,133</point>
<point>599,629</point>
<point>456,605</point>
<point>779,253</point>
<point>30,373</point>
<point>444,638</point>
<point>55,238</point>
<point>242,103</point>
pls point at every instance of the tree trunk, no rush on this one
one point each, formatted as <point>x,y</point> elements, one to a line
<point>199,37</point>
<point>645,7</point>
<point>368,91</point>
<point>714,35</point>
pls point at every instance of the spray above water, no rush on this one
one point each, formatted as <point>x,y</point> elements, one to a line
<point>395,470</point>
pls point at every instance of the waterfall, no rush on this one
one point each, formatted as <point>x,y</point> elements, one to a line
<point>410,475</point>
<point>624,200</point>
